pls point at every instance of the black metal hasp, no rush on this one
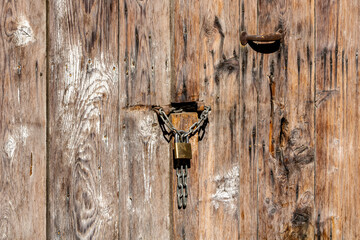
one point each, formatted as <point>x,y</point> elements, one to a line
<point>245,38</point>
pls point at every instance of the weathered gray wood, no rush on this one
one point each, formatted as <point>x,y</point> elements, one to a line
<point>144,177</point>
<point>337,120</point>
<point>280,155</point>
<point>144,53</point>
<point>248,119</point>
<point>328,101</point>
<point>219,149</point>
<point>285,123</point>
<point>185,42</point>
<point>145,67</point>
<point>22,120</point>
<point>83,120</point>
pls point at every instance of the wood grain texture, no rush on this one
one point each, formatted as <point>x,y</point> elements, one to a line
<point>337,120</point>
<point>280,155</point>
<point>144,177</point>
<point>145,68</point>
<point>285,123</point>
<point>83,116</point>
<point>145,57</point>
<point>185,50</point>
<point>219,149</point>
<point>248,118</point>
<point>185,222</point>
<point>22,120</point>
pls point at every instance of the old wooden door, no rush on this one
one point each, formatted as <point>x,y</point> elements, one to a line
<point>82,152</point>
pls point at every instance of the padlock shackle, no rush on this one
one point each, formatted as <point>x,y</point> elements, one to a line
<point>182,132</point>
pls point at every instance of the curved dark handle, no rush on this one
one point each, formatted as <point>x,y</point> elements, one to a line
<point>244,37</point>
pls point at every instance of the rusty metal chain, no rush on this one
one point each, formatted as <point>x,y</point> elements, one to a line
<point>192,130</point>
<point>181,173</point>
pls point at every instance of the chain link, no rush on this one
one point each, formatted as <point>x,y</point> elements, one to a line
<point>181,173</point>
<point>185,192</point>
<point>182,189</point>
<point>192,130</point>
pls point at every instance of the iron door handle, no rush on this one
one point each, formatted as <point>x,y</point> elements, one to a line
<point>244,37</point>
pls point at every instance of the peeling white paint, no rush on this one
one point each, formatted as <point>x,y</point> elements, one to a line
<point>227,189</point>
<point>23,34</point>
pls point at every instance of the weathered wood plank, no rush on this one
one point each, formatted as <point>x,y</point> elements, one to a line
<point>145,64</point>
<point>83,116</point>
<point>22,120</point>
<point>185,222</point>
<point>185,63</point>
<point>285,123</point>
<point>219,84</point>
<point>337,120</point>
<point>144,177</point>
<point>144,52</point>
<point>327,119</point>
<point>248,118</point>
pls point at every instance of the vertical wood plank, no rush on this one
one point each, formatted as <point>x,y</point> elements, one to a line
<point>219,83</point>
<point>22,120</point>
<point>285,123</point>
<point>337,119</point>
<point>185,50</point>
<point>144,177</point>
<point>328,102</point>
<point>186,221</point>
<point>83,117</point>
<point>248,119</point>
<point>145,68</point>
<point>144,52</point>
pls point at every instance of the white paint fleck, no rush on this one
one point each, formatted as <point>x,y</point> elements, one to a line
<point>60,6</point>
<point>106,140</point>
<point>149,138</point>
<point>129,204</point>
<point>69,95</point>
<point>10,146</point>
<point>23,34</point>
<point>17,136</point>
<point>104,208</point>
<point>24,133</point>
<point>227,189</point>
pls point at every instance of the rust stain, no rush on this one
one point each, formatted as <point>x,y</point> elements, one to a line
<point>137,108</point>
<point>271,146</point>
<point>31,163</point>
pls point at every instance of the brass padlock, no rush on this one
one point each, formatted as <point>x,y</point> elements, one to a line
<point>182,148</point>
